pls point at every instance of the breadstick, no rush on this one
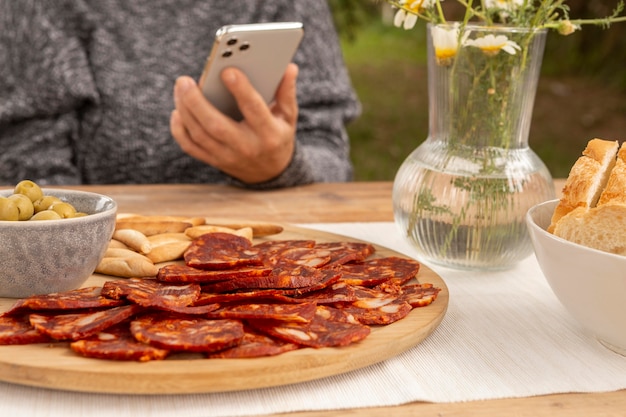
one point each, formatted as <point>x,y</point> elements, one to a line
<point>134,239</point>
<point>196,231</point>
<point>245,232</point>
<point>170,251</point>
<point>114,243</point>
<point>152,227</point>
<point>133,267</point>
<point>163,238</point>
<point>194,221</point>
<point>124,253</point>
<point>121,216</point>
<point>258,228</point>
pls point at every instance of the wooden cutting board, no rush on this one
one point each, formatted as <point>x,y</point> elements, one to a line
<point>56,366</point>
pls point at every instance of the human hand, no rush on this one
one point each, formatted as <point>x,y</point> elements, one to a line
<point>255,149</point>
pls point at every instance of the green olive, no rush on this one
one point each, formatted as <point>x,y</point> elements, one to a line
<point>29,189</point>
<point>46,215</point>
<point>24,206</point>
<point>45,202</point>
<point>8,209</point>
<point>65,210</point>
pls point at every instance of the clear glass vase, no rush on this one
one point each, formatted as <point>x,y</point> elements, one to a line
<point>460,198</point>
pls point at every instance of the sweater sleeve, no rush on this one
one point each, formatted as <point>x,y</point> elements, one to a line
<point>44,83</point>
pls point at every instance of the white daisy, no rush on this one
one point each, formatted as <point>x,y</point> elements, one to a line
<point>445,42</point>
<point>491,45</point>
<point>407,19</point>
<point>506,5</point>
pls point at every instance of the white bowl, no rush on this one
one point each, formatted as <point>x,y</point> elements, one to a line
<point>591,284</point>
<point>46,256</point>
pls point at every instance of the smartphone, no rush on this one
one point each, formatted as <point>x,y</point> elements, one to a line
<point>261,50</point>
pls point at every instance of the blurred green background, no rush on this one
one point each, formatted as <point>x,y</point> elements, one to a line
<point>581,93</point>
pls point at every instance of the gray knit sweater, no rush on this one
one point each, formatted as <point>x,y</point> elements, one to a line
<point>86,89</point>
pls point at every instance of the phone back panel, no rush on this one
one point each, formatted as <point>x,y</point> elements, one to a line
<point>262,51</point>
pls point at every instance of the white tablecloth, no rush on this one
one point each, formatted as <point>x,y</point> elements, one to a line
<point>504,335</point>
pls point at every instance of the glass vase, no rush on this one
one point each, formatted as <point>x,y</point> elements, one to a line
<point>461,196</point>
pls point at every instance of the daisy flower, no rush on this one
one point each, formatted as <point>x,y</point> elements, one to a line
<point>491,45</point>
<point>407,19</point>
<point>445,42</point>
<point>505,5</point>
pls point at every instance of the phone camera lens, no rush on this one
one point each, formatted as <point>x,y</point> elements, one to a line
<point>231,41</point>
<point>244,46</point>
<point>227,53</point>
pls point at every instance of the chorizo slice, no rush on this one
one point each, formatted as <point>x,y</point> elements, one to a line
<point>318,333</point>
<point>311,257</point>
<point>221,251</point>
<point>17,330</point>
<point>254,345</point>
<point>344,252</point>
<point>82,298</point>
<point>117,343</point>
<point>337,293</point>
<point>298,277</point>
<point>301,312</point>
<point>419,295</point>
<point>80,325</point>
<point>272,250</point>
<point>188,334</point>
<point>196,310</point>
<point>376,307</point>
<point>269,295</point>
<point>387,313</point>
<point>152,293</point>
<point>375,271</point>
<point>334,314</point>
<point>185,274</point>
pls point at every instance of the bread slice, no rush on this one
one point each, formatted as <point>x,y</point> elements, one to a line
<point>586,179</point>
<point>615,189</point>
<point>602,227</point>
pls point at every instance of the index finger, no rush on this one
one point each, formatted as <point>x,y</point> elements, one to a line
<point>251,105</point>
<point>197,113</point>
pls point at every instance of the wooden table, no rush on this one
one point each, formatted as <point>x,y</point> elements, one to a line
<point>346,202</point>
<point>316,203</point>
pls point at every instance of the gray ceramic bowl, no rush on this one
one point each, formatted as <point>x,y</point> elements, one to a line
<point>591,284</point>
<point>46,256</point>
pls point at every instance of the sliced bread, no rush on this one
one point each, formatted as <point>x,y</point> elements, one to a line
<point>602,227</point>
<point>615,189</point>
<point>586,179</point>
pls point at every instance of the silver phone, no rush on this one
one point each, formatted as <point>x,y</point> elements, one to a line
<point>261,50</point>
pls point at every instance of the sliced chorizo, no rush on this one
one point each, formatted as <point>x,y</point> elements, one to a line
<point>17,330</point>
<point>301,312</point>
<point>221,251</point>
<point>152,293</point>
<point>82,298</point>
<point>318,333</point>
<point>186,274</point>
<point>419,295</point>
<point>188,334</point>
<point>117,343</point>
<point>80,325</point>
<point>344,252</point>
<point>254,345</point>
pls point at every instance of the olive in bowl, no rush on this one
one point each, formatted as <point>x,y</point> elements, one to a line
<point>591,284</point>
<point>58,254</point>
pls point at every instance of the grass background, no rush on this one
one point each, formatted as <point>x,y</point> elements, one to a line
<point>578,98</point>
